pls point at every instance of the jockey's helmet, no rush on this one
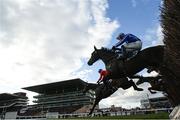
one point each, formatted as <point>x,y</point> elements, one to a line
<point>120,36</point>
<point>99,70</point>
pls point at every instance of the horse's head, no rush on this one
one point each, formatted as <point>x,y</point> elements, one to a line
<point>104,54</point>
<point>94,56</point>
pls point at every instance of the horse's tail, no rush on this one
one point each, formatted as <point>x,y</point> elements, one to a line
<point>170,19</point>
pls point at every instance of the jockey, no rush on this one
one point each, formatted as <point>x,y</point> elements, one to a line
<point>102,73</point>
<point>131,47</point>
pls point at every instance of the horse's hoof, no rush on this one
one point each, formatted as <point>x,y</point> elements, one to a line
<point>149,70</point>
<point>139,89</point>
<point>139,82</point>
<point>90,114</point>
<point>153,92</point>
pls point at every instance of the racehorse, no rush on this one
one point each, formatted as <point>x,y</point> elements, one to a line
<point>157,83</point>
<point>149,57</point>
<point>102,92</point>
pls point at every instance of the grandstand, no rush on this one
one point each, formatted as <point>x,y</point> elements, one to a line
<point>12,102</point>
<point>61,97</point>
<point>158,102</point>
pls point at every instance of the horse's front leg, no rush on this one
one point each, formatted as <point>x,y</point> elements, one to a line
<point>106,80</point>
<point>94,105</point>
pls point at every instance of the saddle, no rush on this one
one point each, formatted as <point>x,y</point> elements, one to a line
<point>127,56</point>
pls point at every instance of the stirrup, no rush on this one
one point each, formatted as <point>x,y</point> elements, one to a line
<point>121,58</point>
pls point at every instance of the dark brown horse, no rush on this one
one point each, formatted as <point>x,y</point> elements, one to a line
<point>149,57</point>
<point>157,83</point>
<point>102,92</point>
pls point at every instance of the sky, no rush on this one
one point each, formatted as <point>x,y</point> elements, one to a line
<point>44,41</point>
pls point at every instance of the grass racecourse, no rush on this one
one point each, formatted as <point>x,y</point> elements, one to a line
<point>130,117</point>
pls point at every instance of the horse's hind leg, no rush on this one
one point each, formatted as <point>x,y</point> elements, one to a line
<point>134,86</point>
<point>150,90</point>
<point>140,81</point>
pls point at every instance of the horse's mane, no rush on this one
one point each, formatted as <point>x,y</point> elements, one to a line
<point>107,50</point>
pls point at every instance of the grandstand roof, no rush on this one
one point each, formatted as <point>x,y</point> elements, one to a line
<point>58,87</point>
<point>8,96</point>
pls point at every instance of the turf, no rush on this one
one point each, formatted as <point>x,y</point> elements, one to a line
<point>145,116</point>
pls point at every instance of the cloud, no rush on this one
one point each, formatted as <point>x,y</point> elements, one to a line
<point>153,36</point>
<point>129,98</point>
<point>134,3</point>
<point>159,35</point>
<point>125,98</point>
<point>83,74</point>
<point>44,41</point>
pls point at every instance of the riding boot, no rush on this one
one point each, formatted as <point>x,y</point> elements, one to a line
<point>105,84</point>
<point>109,86</point>
<point>124,53</point>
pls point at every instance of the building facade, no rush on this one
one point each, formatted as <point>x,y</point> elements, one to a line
<point>12,102</point>
<point>158,102</point>
<point>62,97</point>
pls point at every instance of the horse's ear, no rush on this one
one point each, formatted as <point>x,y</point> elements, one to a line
<point>95,48</point>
